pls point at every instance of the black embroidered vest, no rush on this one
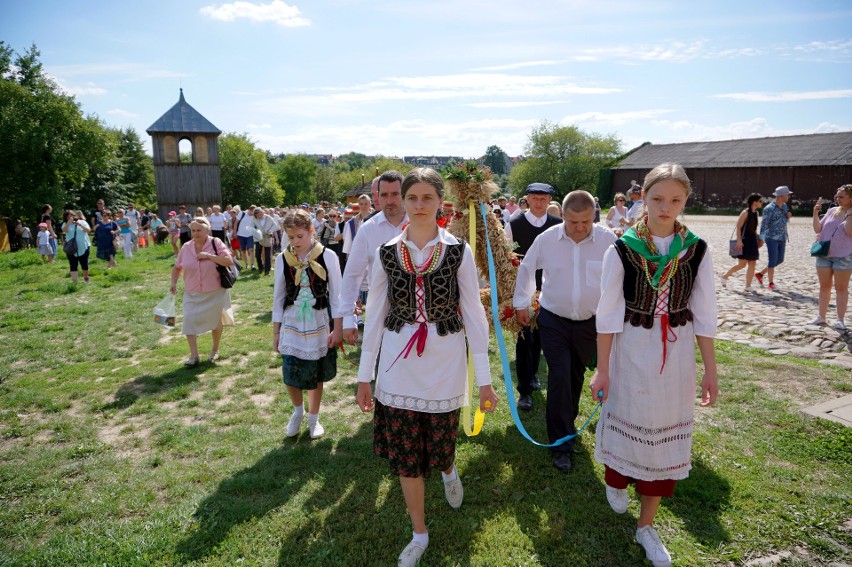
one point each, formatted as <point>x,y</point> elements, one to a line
<point>441,289</point>
<point>524,233</point>
<point>641,298</point>
<point>319,286</point>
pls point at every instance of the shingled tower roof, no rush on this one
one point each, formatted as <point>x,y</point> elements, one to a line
<point>184,119</point>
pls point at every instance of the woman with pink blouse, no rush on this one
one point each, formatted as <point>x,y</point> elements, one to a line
<point>206,304</point>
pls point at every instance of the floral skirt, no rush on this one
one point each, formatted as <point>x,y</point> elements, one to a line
<point>414,442</point>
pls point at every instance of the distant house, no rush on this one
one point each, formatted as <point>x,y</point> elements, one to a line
<point>724,173</point>
<point>435,162</point>
<point>323,159</point>
<point>351,195</point>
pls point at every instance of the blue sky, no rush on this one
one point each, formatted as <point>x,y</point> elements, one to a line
<point>451,77</point>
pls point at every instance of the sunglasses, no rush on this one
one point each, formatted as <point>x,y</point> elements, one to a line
<point>620,201</point>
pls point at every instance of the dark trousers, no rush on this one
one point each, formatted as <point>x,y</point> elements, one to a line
<point>568,345</point>
<point>527,358</point>
<point>262,253</point>
<point>184,237</point>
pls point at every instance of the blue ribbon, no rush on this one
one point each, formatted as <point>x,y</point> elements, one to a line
<point>504,356</point>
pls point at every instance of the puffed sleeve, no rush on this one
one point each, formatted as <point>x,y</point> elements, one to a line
<point>279,290</point>
<point>610,315</point>
<point>702,301</point>
<point>473,314</point>
<point>377,310</point>
<point>525,280</point>
<point>335,280</point>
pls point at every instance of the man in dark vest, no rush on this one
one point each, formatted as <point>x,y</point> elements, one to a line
<point>523,229</point>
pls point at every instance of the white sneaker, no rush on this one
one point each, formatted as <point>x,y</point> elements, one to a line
<point>655,551</point>
<point>839,325</point>
<point>724,281</point>
<point>316,430</point>
<point>818,321</point>
<point>294,424</point>
<point>411,555</point>
<point>454,491</point>
<point>618,499</point>
<point>749,289</point>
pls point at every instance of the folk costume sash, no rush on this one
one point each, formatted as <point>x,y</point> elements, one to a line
<point>294,262</point>
<point>640,241</point>
<point>305,309</point>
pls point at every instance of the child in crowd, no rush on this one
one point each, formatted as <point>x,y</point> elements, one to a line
<point>26,237</point>
<point>306,293</point>
<point>424,291</point>
<point>174,230</point>
<point>657,299</point>
<point>43,243</point>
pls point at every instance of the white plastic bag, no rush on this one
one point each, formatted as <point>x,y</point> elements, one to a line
<point>164,312</point>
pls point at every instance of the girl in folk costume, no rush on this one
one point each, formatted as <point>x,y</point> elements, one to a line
<point>657,295</point>
<point>423,302</point>
<point>306,289</point>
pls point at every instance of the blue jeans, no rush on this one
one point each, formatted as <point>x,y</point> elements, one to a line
<point>775,249</point>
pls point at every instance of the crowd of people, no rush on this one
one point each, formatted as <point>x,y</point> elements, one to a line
<point>629,297</point>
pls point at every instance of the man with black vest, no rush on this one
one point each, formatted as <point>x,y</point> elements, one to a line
<point>523,229</point>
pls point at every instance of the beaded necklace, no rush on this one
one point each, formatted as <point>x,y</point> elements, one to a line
<point>426,267</point>
<point>671,267</point>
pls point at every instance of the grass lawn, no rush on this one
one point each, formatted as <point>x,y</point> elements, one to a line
<point>111,453</point>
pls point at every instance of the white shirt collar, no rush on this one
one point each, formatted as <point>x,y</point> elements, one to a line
<point>563,236</point>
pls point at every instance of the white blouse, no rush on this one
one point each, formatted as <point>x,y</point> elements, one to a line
<point>434,382</point>
<point>702,301</point>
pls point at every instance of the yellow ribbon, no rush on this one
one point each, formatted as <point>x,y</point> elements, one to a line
<point>315,266</point>
<point>472,427</point>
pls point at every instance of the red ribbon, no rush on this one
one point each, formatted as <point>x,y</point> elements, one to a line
<point>419,338</point>
<point>667,332</point>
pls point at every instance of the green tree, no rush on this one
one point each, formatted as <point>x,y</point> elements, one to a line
<point>47,146</point>
<point>565,157</point>
<point>246,175</point>
<point>495,158</point>
<point>324,186</point>
<point>297,175</point>
<point>352,161</point>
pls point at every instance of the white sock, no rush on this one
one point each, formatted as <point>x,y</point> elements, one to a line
<point>421,539</point>
<point>313,418</point>
<point>450,477</point>
<point>299,411</point>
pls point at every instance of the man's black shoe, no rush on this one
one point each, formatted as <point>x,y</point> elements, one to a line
<point>562,461</point>
<point>525,403</point>
<point>535,384</point>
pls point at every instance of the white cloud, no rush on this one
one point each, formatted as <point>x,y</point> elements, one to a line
<point>78,90</point>
<point>253,126</point>
<point>520,65</point>
<point>516,104</point>
<point>670,131</point>
<point>786,96</point>
<point>276,11</point>
<point>405,137</point>
<point>340,101</point>
<point>613,118</point>
<point>122,112</point>
<point>131,71</point>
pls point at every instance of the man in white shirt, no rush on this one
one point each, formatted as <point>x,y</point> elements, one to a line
<point>244,227</point>
<point>372,234</point>
<point>133,216</point>
<point>523,228</point>
<point>570,256</point>
<point>637,207</point>
<point>350,229</point>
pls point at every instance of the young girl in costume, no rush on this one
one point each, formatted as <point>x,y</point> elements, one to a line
<point>307,284</point>
<point>423,302</point>
<point>657,295</point>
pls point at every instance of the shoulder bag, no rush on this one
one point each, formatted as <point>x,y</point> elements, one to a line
<point>70,246</point>
<point>820,248</point>
<point>227,276</point>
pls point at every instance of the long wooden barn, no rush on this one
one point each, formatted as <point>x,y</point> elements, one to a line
<point>724,173</point>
